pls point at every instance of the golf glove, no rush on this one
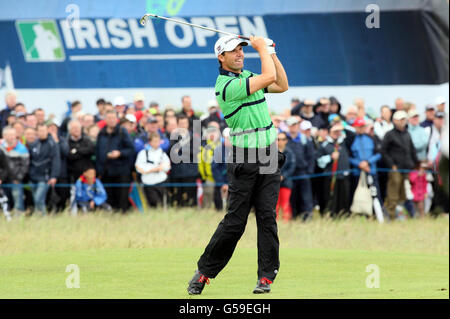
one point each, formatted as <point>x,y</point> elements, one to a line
<point>270,47</point>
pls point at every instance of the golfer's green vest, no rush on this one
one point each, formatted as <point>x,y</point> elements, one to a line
<point>246,114</point>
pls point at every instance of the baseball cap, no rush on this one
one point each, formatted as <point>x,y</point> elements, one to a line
<point>305,125</point>
<point>334,117</point>
<point>131,118</point>
<point>412,113</point>
<point>291,120</point>
<point>429,107</point>
<point>139,96</point>
<point>227,43</point>
<point>359,122</point>
<point>211,103</point>
<point>400,115</point>
<point>439,114</point>
<point>51,122</point>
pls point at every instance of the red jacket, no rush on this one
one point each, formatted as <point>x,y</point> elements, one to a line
<point>418,185</point>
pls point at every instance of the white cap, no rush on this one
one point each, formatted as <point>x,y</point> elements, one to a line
<point>305,125</point>
<point>212,103</point>
<point>440,100</point>
<point>412,113</point>
<point>227,43</point>
<point>291,120</point>
<point>131,118</point>
<point>139,96</point>
<point>119,100</point>
<point>400,115</point>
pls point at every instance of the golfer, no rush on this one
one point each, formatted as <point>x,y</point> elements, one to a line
<point>253,179</point>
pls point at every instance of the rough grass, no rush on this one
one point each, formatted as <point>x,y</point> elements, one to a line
<point>192,228</point>
<point>126,256</point>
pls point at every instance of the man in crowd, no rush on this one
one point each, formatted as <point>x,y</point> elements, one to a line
<point>419,135</point>
<point>101,110</point>
<point>45,165</point>
<point>364,156</point>
<point>333,158</point>
<point>398,153</point>
<point>384,123</point>
<point>81,150</point>
<point>287,171</point>
<point>151,126</point>
<point>75,108</point>
<point>31,120</point>
<point>139,101</point>
<point>40,115</point>
<point>205,158</point>
<point>306,111</point>
<point>350,116</point>
<point>87,121</point>
<point>301,190</point>
<point>113,150</point>
<point>187,110</point>
<point>429,116</point>
<point>214,115</point>
<point>182,152</point>
<point>19,160</point>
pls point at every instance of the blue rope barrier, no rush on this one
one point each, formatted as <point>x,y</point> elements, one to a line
<point>298,177</point>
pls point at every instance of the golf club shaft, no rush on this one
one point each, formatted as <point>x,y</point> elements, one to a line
<point>145,17</point>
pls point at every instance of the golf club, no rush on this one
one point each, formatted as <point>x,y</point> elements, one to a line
<point>144,20</point>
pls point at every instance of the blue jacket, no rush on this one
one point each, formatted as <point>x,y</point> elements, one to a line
<point>142,139</point>
<point>288,169</point>
<point>363,149</point>
<point>119,140</point>
<point>219,165</point>
<point>304,152</point>
<point>85,192</point>
<point>45,161</point>
<point>420,138</point>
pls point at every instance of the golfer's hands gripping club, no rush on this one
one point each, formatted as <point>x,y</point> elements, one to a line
<point>259,44</point>
<point>270,46</point>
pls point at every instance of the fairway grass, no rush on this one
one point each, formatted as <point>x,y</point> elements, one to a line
<point>154,256</point>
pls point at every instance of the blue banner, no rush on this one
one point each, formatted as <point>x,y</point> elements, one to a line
<point>316,50</point>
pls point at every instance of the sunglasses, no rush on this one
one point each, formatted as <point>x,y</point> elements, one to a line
<point>282,139</point>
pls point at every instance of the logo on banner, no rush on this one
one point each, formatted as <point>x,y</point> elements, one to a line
<point>40,40</point>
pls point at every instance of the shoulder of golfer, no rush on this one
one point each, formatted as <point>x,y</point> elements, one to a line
<point>273,77</point>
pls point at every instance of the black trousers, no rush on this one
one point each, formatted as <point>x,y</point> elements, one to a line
<point>154,194</point>
<point>118,195</point>
<point>247,188</point>
<point>218,204</point>
<point>340,201</point>
<point>185,196</point>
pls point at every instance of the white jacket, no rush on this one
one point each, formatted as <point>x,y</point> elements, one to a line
<point>151,158</point>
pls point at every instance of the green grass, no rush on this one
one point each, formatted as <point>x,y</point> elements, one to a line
<point>154,256</point>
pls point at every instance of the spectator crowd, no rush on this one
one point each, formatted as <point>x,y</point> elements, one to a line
<point>88,161</point>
